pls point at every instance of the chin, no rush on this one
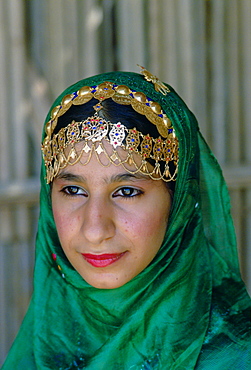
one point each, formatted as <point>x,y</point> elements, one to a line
<point>111,283</point>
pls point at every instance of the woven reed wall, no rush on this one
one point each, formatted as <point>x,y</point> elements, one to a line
<point>202,48</point>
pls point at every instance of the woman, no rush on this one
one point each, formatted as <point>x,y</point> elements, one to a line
<point>136,264</point>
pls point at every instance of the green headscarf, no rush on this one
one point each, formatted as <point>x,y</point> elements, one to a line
<point>187,310</point>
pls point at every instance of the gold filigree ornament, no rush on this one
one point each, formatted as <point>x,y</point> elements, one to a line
<point>158,85</point>
<point>59,149</point>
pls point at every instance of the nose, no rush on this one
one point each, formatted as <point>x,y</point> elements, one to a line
<point>98,221</point>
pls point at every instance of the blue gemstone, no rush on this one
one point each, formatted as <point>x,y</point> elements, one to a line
<point>170,130</point>
<point>148,104</point>
<point>132,140</point>
<point>146,146</point>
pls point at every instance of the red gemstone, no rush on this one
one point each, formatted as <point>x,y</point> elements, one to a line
<point>54,256</point>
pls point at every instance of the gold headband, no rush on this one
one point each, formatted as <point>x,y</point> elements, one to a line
<point>94,129</point>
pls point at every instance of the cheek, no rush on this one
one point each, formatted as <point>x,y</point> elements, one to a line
<point>59,219</point>
<point>146,226</point>
<point>155,228</point>
<point>64,225</point>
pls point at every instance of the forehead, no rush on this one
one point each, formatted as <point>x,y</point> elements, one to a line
<point>97,165</point>
<point>106,156</point>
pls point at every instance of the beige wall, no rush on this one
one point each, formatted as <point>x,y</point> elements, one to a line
<point>202,48</point>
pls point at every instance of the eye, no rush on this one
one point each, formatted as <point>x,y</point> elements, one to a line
<point>127,192</point>
<point>73,190</point>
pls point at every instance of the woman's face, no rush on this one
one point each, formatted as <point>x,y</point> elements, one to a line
<point>110,223</point>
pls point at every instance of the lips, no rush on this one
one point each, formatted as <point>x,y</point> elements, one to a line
<point>102,260</point>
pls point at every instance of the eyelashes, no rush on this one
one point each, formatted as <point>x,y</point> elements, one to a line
<point>73,191</point>
<point>126,192</point>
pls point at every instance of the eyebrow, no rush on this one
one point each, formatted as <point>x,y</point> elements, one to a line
<point>68,176</point>
<point>128,176</point>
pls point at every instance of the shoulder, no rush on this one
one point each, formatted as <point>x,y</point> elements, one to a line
<point>227,344</point>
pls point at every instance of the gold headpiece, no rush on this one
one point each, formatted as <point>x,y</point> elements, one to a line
<point>95,129</point>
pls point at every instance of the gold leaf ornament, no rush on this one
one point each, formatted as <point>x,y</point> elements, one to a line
<point>158,85</point>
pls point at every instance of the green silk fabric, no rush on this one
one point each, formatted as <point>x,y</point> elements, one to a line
<point>187,310</point>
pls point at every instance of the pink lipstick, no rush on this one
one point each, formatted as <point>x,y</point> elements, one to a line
<point>102,260</point>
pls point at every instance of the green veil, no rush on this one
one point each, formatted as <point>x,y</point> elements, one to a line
<point>187,310</point>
